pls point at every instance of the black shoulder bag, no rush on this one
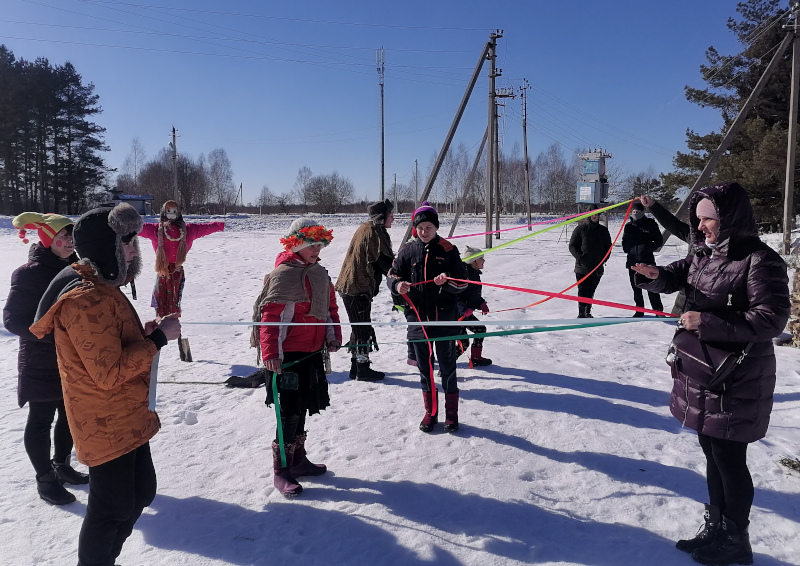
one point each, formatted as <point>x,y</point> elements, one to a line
<point>708,366</point>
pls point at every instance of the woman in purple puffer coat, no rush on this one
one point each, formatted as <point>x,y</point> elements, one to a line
<point>737,294</point>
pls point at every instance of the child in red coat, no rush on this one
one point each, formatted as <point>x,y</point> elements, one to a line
<point>298,291</point>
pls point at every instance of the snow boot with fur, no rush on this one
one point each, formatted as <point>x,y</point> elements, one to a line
<point>731,546</point>
<point>301,465</point>
<point>51,490</point>
<point>430,418</point>
<point>477,359</point>
<point>283,479</point>
<point>451,412</point>
<point>68,474</point>
<point>706,533</point>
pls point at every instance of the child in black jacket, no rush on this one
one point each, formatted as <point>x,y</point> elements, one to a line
<point>420,271</point>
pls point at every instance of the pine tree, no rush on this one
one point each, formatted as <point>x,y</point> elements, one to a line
<point>756,158</point>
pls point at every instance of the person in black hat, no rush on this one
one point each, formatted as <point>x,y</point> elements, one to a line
<point>104,356</point>
<point>367,260</point>
<point>589,243</point>
<point>640,239</point>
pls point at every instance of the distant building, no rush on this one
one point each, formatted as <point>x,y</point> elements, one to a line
<point>142,203</point>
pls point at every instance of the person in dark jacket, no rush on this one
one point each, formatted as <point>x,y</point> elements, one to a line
<point>369,257</point>
<point>640,239</point>
<point>737,294</point>
<point>589,244</point>
<point>431,258</point>
<point>39,383</point>
<point>471,300</point>
<point>677,228</point>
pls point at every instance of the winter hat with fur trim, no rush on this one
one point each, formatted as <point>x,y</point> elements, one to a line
<point>426,213</point>
<point>306,232</point>
<point>99,235</point>
<point>469,252</point>
<point>47,225</point>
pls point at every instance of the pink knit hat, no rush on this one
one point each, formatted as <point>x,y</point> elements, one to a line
<point>707,209</point>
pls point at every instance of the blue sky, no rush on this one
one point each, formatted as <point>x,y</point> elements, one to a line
<point>284,85</point>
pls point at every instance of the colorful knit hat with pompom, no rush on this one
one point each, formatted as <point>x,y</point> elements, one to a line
<point>306,232</point>
<point>47,225</point>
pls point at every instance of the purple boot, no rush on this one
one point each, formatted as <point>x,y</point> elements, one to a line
<point>283,479</point>
<point>431,416</point>
<point>301,465</point>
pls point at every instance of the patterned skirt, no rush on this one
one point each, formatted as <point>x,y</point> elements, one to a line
<point>168,291</point>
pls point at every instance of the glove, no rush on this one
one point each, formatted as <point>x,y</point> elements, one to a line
<point>467,313</point>
<point>484,308</point>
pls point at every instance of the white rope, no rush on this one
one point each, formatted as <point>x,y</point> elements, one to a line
<point>533,323</point>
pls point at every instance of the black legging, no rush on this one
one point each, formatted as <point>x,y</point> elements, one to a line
<point>730,487</point>
<point>118,492</point>
<point>638,295</point>
<point>359,309</point>
<point>588,287</point>
<point>477,329</point>
<point>37,434</point>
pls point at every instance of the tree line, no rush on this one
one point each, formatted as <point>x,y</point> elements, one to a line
<point>50,149</point>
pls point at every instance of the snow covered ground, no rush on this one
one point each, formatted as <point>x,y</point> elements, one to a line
<point>567,453</point>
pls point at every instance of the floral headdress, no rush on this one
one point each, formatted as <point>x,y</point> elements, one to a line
<point>306,232</point>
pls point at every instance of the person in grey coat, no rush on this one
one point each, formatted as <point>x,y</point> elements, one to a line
<point>736,294</point>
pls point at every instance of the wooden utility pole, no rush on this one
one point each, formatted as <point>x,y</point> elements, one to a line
<point>451,133</point>
<point>498,200</point>
<point>788,200</point>
<point>174,146</point>
<point>522,91</point>
<point>380,62</point>
<point>416,185</point>
<point>491,156</point>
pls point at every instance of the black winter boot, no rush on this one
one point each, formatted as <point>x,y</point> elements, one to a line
<point>365,373</point>
<point>431,417</point>
<point>68,474</point>
<point>51,490</point>
<point>731,546</point>
<point>451,412</point>
<point>283,480</point>
<point>582,310</point>
<point>353,368</point>
<point>706,533</point>
<point>301,465</point>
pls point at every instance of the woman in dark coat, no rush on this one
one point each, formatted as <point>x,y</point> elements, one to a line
<point>736,294</point>
<point>39,383</point>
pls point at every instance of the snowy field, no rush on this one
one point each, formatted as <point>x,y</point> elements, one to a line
<point>567,453</point>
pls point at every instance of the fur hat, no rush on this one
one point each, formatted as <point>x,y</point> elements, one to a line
<point>47,225</point>
<point>306,232</point>
<point>379,210</point>
<point>469,252</point>
<point>426,213</point>
<point>99,236</point>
